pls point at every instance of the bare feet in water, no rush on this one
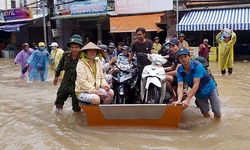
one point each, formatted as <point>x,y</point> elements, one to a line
<point>207,115</point>
<point>59,108</point>
<point>217,116</point>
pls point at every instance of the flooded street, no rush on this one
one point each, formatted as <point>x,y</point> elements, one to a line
<point>28,119</point>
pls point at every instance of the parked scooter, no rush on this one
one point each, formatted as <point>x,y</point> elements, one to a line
<point>153,82</point>
<point>124,82</point>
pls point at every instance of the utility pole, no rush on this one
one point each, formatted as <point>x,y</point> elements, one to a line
<point>6,4</point>
<point>177,18</point>
<point>51,13</point>
<point>44,25</point>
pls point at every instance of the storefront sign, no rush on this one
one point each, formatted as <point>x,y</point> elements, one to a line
<point>142,6</point>
<point>89,7</point>
<point>17,13</point>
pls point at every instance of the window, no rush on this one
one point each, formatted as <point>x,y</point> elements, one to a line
<point>13,4</point>
<point>24,2</point>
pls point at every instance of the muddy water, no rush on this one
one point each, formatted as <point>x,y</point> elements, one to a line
<point>28,119</point>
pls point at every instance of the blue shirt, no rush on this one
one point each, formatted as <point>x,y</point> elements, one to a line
<point>206,85</point>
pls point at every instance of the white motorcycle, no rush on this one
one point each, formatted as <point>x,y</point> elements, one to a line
<point>153,81</point>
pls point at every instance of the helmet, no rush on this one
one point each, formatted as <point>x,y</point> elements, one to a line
<point>41,44</point>
<point>182,35</point>
<point>103,47</point>
<point>125,47</point>
<point>156,38</point>
<point>25,44</point>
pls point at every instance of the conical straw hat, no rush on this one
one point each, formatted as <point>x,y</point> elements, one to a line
<point>90,45</point>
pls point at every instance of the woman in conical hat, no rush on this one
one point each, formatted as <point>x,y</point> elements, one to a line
<point>91,86</point>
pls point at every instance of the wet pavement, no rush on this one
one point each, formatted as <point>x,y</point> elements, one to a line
<point>28,119</point>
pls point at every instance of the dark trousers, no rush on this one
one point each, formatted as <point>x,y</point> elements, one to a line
<point>138,85</point>
<point>62,96</point>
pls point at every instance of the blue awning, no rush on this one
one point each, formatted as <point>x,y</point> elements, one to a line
<point>211,20</point>
<point>12,27</point>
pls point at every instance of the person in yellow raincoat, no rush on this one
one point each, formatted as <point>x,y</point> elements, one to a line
<point>55,56</point>
<point>226,51</point>
<point>157,46</point>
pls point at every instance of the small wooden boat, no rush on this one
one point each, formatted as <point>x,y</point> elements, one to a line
<point>161,115</point>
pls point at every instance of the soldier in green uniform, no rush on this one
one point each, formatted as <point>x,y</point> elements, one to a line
<point>68,63</point>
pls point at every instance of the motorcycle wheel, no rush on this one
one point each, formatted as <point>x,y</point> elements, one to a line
<point>153,95</point>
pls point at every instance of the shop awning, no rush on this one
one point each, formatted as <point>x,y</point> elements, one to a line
<point>12,27</point>
<point>131,23</point>
<point>211,20</point>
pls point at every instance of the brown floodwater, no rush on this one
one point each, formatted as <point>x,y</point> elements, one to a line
<point>28,119</point>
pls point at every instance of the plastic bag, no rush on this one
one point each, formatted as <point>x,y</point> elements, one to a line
<point>24,69</point>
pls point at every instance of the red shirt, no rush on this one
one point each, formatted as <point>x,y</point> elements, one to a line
<point>204,50</point>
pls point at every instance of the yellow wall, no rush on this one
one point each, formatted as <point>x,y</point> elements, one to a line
<point>212,54</point>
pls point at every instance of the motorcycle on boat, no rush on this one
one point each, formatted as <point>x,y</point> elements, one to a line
<point>153,81</point>
<point>124,82</point>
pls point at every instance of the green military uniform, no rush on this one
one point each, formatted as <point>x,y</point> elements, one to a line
<point>67,86</point>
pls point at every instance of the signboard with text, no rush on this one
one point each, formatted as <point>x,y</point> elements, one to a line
<point>17,14</point>
<point>88,7</point>
<point>142,6</point>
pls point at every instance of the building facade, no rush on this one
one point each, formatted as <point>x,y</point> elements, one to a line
<point>20,22</point>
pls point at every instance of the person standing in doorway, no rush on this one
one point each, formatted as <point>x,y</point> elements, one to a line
<point>226,51</point>
<point>157,46</point>
<point>68,63</point>
<point>21,58</point>
<point>55,56</point>
<point>182,42</point>
<point>204,50</point>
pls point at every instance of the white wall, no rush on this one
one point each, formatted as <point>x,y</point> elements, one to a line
<point>4,5</point>
<point>18,2</point>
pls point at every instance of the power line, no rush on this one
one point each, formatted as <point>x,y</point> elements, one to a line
<point>33,3</point>
<point>63,3</point>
